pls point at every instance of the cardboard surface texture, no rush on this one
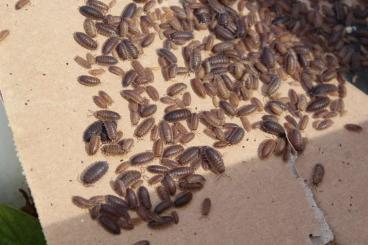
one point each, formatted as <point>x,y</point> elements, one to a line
<point>260,202</point>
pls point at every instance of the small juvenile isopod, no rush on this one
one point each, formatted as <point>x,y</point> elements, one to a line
<point>353,127</point>
<point>318,174</point>
<point>206,206</point>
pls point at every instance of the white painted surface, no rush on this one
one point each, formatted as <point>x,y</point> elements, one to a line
<point>11,176</point>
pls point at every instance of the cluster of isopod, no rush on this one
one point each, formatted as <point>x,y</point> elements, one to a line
<point>252,49</point>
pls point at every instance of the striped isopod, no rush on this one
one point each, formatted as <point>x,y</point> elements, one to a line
<point>89,81</point>
<point>177,115</point>
<point>142,158</point>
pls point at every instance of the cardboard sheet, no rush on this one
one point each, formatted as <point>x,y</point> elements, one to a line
<point>259,203</point>
<point>342,195</point>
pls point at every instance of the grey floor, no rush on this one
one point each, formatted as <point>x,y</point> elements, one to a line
<point>11,177</point>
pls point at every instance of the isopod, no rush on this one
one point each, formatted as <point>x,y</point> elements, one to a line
<point>318,174</point>
<point>206,206</point>
<point>142,158</point>
<point>94,172</point>
<point>89,81</point>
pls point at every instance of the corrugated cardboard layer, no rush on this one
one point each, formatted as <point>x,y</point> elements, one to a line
<point>259,202</point>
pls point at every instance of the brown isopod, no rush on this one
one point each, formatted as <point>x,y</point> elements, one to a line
<point>158,147</point>
<point>142,158</point>
<point>131,198</point>
<point>164,222</point>
<point>155,179</point>
<point>272,127</point>
<point>157,169</point>
<point>257,102</point>
<point>193,121</point>
<point>126,144</point>
<point>89,81</point>
<point>183,198</point>
<point>109,45</point>
<point>94,172</point>
<point>322,124</point>
<point>266,148</point>
<point>280,146</point>
<point>152,93</point>
<point>107,115</point>
<point>21,3</point>
<point>172,151</point>
<point>132,95</point>
<point>353,127</point>
<point>246,110</point>
<point>106,60</point>
<point>100,102</point>
<point>90,58</point>
<point>128,177</point>
<point>148,110</point>
<point>85,41</point>
<point>317,174</point>
<point>295,138</point>
<point>122,167</point>
<point>163,193</point>
<point>90,28</point>
<point>318,104</point>
<point>170,163</point>
<point>116,71</point>
<point>235,135</point>
<point>144,197</point>
<point>105,97</point>
<point>96,72</point>
<point>82,62</point>
<point>206,206</point>
<point>176,89</point>
<point>112,150</point>
<point>227,108</point>
<point>177,115</point>
<point>303,123</point>
<point>142,242</point>
<point>166,132</point>
<point>187,99</point>
<point>109,224</point>
<point>190,154</point>
<point>162,206</point>
<point>180,172</point>
<point>103,7</point>
<point>169,184</point>
<point>198,87</point>
<point>93,145</point>
<point>214,159</point>
<point>144,127</point>
<point>186,138</point>
<point>81,202</point>
<point>246,123</point>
